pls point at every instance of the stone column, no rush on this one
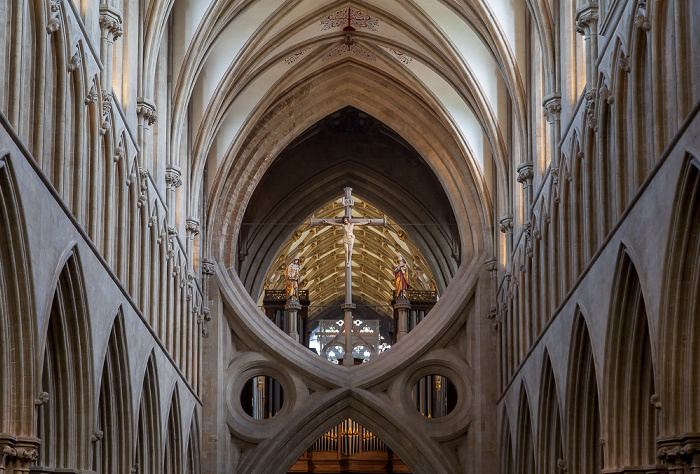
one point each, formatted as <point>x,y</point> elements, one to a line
<point>146,112</point>
<point>293,306</point>
<point>110,30</point>
<point>192,228</point>
<point>507,228</point>
<point>552,113</point>
<point>525,175</point>
<point>587,25</point>
<point>173,180</point>
<point>348,307</point>
<point>403,306</point>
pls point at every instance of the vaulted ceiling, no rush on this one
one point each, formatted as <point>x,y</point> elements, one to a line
<point>440,76</point>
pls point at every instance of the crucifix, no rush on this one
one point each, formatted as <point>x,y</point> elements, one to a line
<point>348,223</point>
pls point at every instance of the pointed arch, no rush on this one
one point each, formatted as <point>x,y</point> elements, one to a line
<point>524,448</point>
<point>629,375</point>
<point>65,424</point>
<point>17,312</point>
<point>147,446</point>
<point>173,437</point>
<point>583,447</point>
<point>549,431</point>
<point>193,462</point>
<point>506,449</point>
<point>680,318</point>
<point>113,451</point>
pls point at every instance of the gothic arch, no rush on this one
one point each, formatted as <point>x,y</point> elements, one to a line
<point>583,425</point>
<point>193,462</point>
<point>549,428</point>
<point>629,375</point>
<point>65,424</point>
<point>114,412</point>
<point>506,449</point>
<point>317,99</point>
<point>524,443</point>
<point>173,455</point>
<point>147,437</point>
<point>679,330</point>
<point>17,312</point>
<point>282,451</point>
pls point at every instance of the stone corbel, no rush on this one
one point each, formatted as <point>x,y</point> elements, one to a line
<point>146,109</point>
<point>91,96</point>
<point>208,268</point>
<point>624,63</point>
<point>192,227</point>
<point>491,266</point>
<point>507,224</point>
<point>525,173</point>
<point>641,20</point>
<point>173,177</point>
<point>552,107</point>
<point>54,23</point>
<point>75,62</point>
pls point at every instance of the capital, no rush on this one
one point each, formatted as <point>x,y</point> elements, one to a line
<point>525,173</point>
<point>587,19</point>
<point>173,177</point>
<point>507,224</point>
<point>110,22</point>
<point>207,267</point>
<point>491,266</point>
<point>192,226</point>
<point>552,107</point>
<point>146,109</point>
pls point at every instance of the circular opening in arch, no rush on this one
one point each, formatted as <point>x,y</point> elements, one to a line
<point>262,397</point>
<point>434,396</point>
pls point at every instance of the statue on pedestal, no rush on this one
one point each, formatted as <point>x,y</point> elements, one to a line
<point>292,274</point>
<point>401,277</point>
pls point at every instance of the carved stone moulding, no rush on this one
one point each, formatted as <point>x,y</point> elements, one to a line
<point>146,109</point>
<point>173,176</point>
<point>552,106</point>
<point>678,449</point>
<point>507,224</point>
<point>587,19</point>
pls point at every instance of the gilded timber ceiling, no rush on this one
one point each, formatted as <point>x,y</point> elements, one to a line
<point>321,251</point>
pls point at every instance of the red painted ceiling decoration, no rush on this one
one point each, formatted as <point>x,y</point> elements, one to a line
<point>349,19</point>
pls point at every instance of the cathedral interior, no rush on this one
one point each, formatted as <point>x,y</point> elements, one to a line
<point>521,293</point>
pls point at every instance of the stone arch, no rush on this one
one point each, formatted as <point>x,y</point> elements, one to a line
<point>173,455</point>
<point>524,445</point>
<point>629,374</point>
<point>147,437</point>
<point>583,424</point>
<point>65,424</point>
<point>283,450</point>
<point>194,446</point>
<point>506,449</point>
<point>17,312</point>
<point>679,333</point>
<point>114,412</point>
<point>549,428</point>
<point>275,130</point>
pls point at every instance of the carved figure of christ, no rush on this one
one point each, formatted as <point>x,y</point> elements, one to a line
<point>348,223</point>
